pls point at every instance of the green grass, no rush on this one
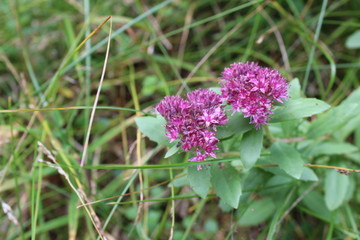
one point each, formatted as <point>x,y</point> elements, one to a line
<point>48,86</point>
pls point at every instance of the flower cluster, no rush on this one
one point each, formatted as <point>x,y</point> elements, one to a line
<point>252,90</point>
<point>194,121</point>
<point>247,87</point>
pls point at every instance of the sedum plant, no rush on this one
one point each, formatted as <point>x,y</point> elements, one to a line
<point>262,131</point>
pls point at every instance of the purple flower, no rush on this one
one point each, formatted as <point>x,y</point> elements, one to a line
<point>252,90</point>
<point>194,121</point>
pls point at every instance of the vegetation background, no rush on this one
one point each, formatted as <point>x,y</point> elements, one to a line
<point>157,48</point>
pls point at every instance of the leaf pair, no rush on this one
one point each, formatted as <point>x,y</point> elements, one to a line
<point>226,183</point>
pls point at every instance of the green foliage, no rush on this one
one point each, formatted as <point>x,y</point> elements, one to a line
<point>236,125</point>
<point>353,40</point>
<point>262,183</point>
<point>336,187</point>
<point>333,120</point>
<point>308,175</point>
<point>328,148</point>
<point>288,159</point>
<point>299,108</point>
<point>199,180</point>
<point>294,89</point>
<point>227,185</point>
<point>250,147</point>
<point>316,206</point>
<point>174,149</point>
<point>257,212</point>
<point>153,128</point>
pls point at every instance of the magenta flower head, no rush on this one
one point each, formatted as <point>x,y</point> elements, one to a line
<point>252,90</point>
<point>194,121</point>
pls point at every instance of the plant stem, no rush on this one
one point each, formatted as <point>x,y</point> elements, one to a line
<point>340,169</point>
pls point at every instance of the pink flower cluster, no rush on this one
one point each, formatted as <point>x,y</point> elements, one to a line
<point>194,121</point>
<point>252,90</point>
<point>247,87</point>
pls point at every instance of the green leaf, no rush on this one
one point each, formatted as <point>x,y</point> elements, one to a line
<point>273,170</point>
<point>73,214</point>
<point>330,148</point>
<point>216,89</point>
<point>224,206</point>
<point>257,212</point>
<point>351,124</point>
<point>279,181</point>
<point>277,187</point>
<point>333,120</point>
<point>353,40</point>
<point>179,181</point>
<point>350,190</point>
<point>294,89</point>
<point>336,187</point>
<point>308,175</point>
<point>288,158</point>
<point>354,97</point>
<point>316,204</point>
<point>250,147</point>
<point>227,184</point>
<point>199,180</point>
<point>174,149</point>
<point>255,178</point>
<point>349,127</point>
<point>298,108</point>
<point>153,128</point>
<point>338,118</point>
<point>236,125</point>
<point>353,156</point>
